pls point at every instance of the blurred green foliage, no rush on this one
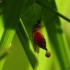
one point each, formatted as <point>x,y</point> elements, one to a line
<point>56,37</point>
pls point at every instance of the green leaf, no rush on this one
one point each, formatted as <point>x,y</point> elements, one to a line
<point>11,13</point>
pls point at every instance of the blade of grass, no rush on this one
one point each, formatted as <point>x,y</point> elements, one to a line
<point>10,15</point>
<point>25,42</point>
<point>57,39</point>
<point>53,10</point>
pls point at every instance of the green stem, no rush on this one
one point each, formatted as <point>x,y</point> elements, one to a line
<point>53,10</point>
<point>24,40</point>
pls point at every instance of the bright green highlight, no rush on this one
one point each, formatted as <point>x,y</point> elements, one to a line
<point>1,27</point>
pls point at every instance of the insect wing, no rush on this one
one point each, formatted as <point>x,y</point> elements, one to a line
<point>35,47</point>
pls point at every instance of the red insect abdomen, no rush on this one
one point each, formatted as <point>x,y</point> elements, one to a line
<point>39,40</point>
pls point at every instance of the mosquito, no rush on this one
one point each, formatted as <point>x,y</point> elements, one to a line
<point>37,37</point>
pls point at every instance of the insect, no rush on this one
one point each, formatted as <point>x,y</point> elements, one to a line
<point>38,39</point>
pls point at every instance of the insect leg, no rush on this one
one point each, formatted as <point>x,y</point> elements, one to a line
<point>51,19</point>
<point>30,37</point>
<point>32,17</point>
<point>41,14</point>
<point>48,22</point>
